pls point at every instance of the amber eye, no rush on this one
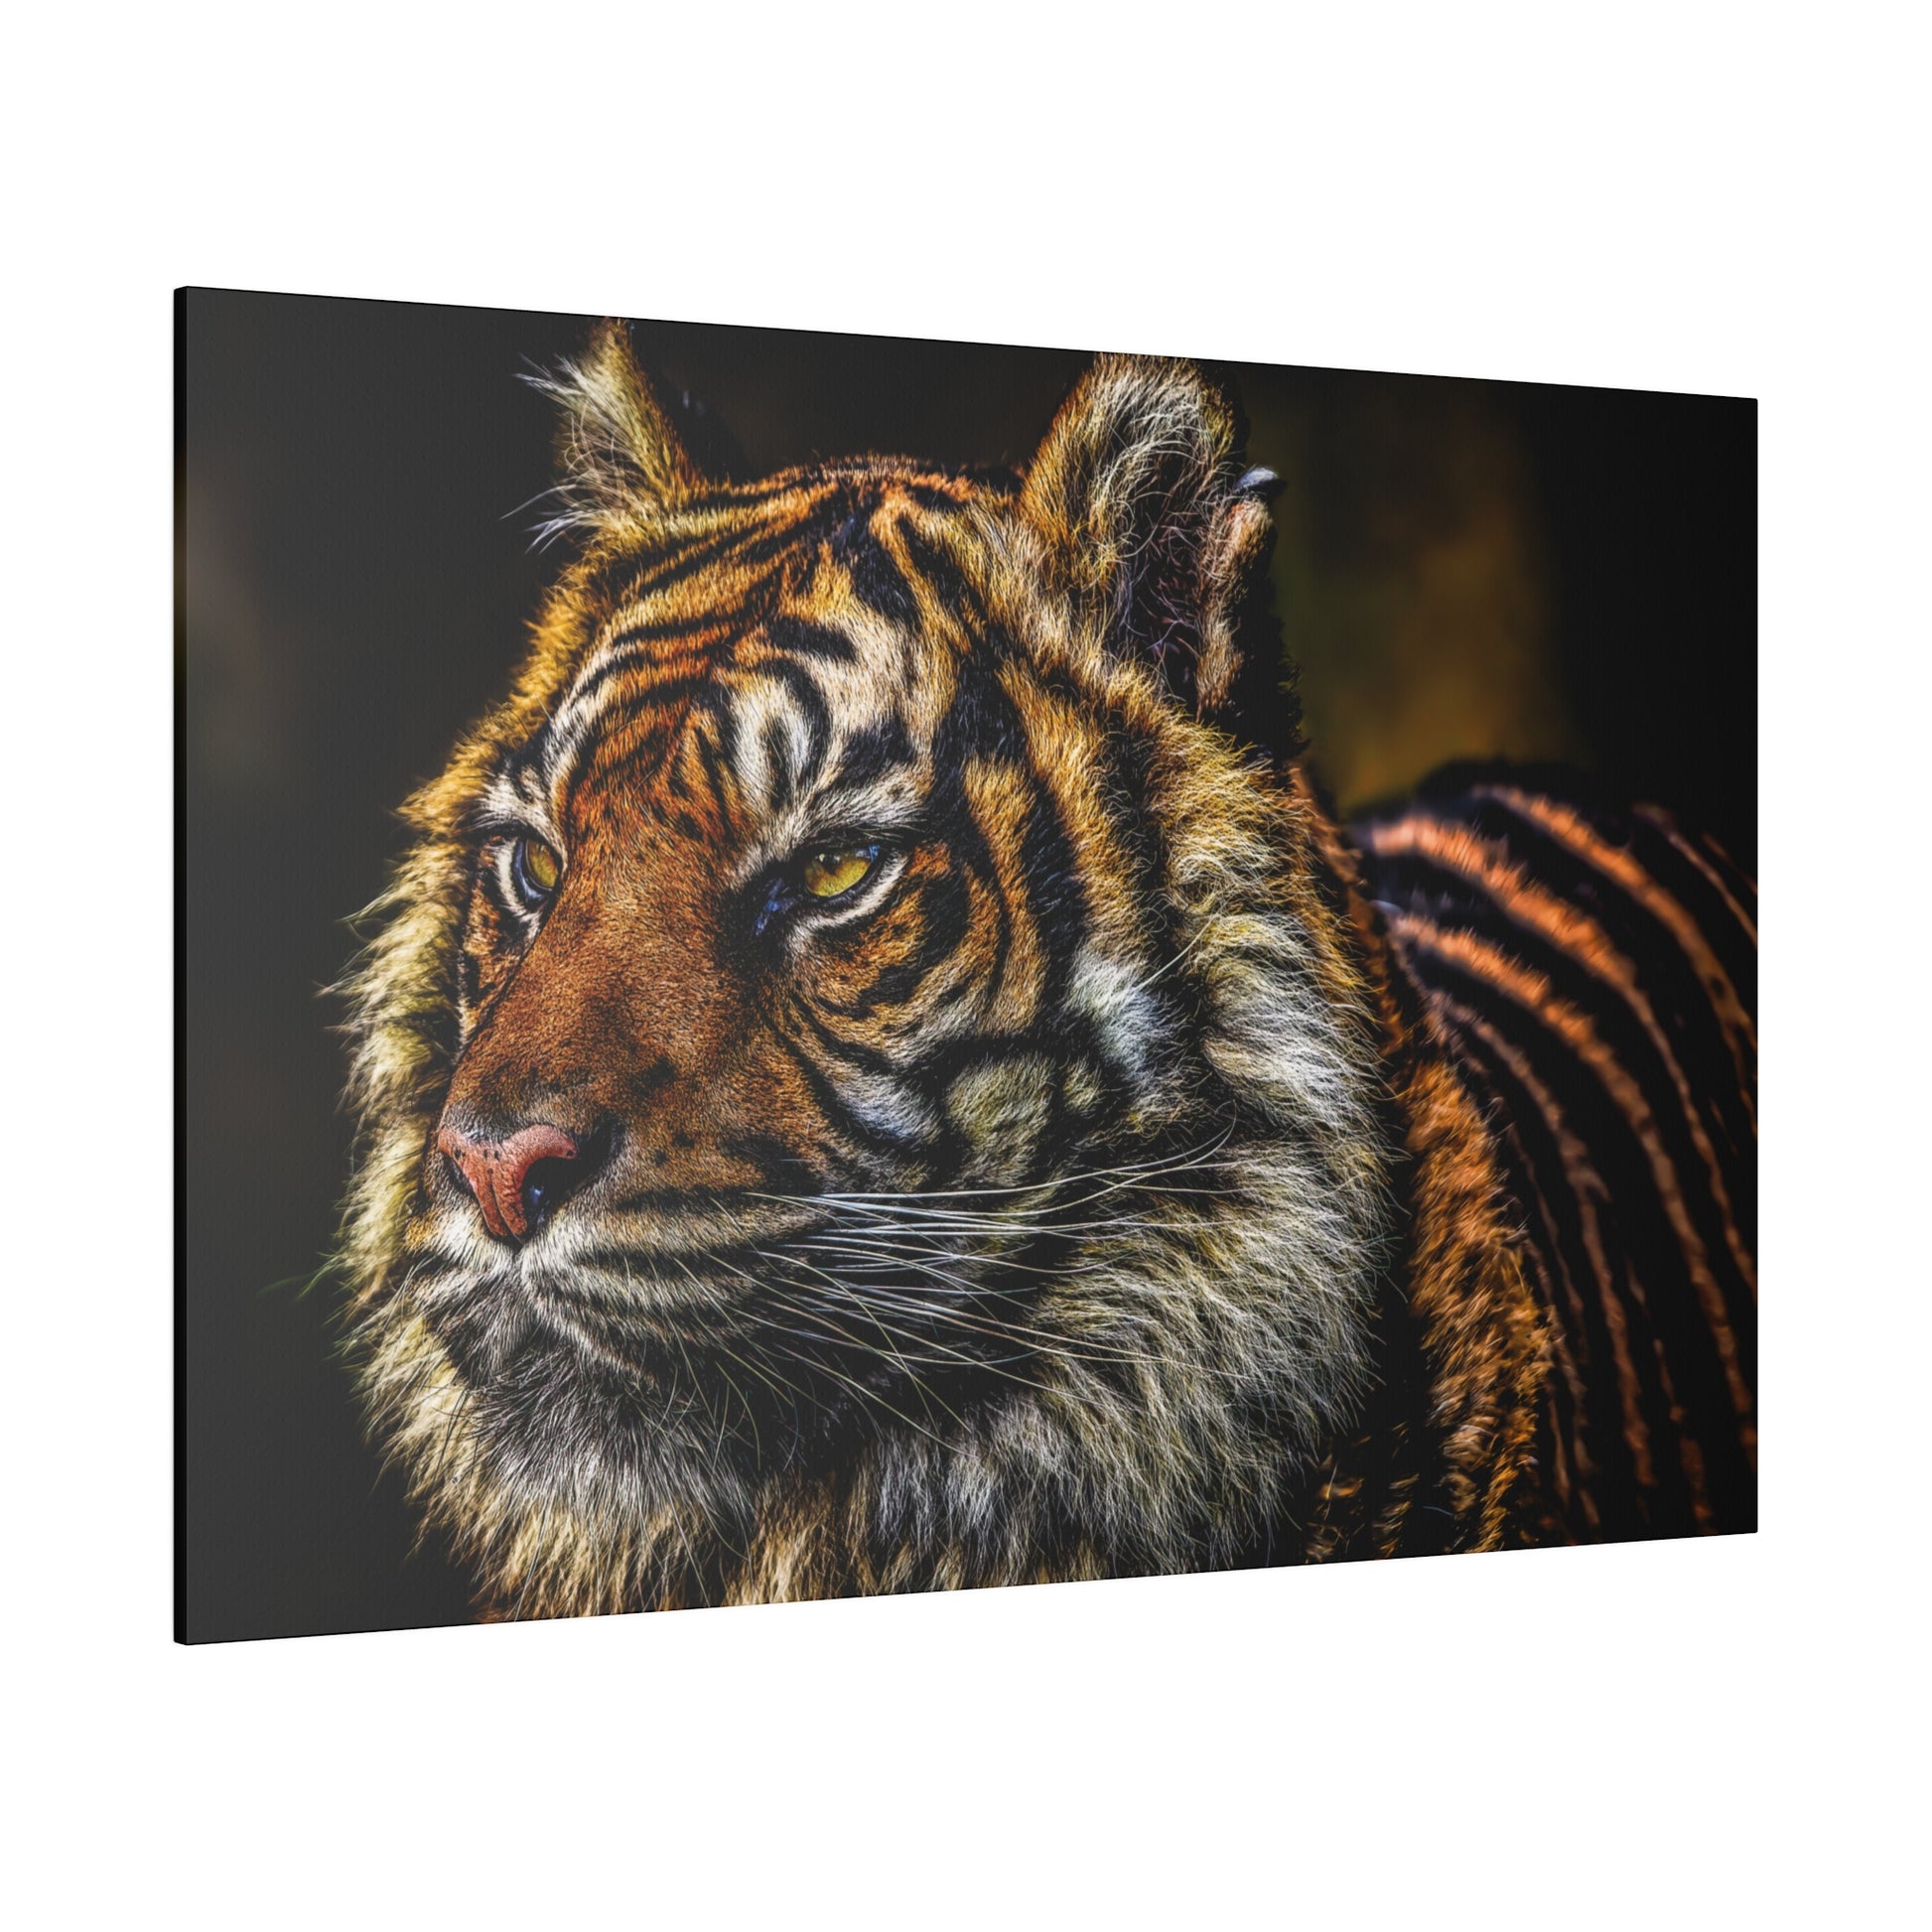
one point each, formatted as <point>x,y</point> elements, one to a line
<point>838,869</point>
<point>536,871</point>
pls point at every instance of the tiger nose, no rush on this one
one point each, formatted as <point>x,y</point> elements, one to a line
<point>517,1182</point>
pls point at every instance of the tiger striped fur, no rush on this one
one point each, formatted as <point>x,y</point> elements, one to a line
<point>1596,977</point>
<point>865,1086</point>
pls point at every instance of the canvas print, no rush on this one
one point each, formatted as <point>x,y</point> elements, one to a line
<point>816,966</point>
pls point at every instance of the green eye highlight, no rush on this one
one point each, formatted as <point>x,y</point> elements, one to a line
<point>537,870</point>
<point>837,869</point>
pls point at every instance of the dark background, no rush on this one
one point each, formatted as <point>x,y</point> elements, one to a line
<point>1464,569</point>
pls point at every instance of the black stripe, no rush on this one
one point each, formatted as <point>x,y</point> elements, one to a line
<point>1655,854</point>
<point>840,1116</point>
<point>945,910</point>
<point>876,579</point>
<point>812,640</point>
<point>1637,1225</point>
<point>1665,972</point>
<point>870,754</point>
<point>867,1059</point>
<point>1661,974</point>
<point>671,693</point>
<point>627,652</point>
<point>1546,1196</point>
<point>1650,1282</point>
<point>810,700</point>
<point>983,725</point>
<point>930,497</point>
<point>735,549</point>
<point>712,759</point>
<point>1630,1046</point>
<point>943,574</point>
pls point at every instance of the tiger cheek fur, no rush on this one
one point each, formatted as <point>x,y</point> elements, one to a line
<point>863,1086</point>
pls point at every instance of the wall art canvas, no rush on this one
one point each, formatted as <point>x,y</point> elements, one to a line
<point>816,965</point>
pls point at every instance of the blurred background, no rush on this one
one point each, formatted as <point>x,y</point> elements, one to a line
<point>1464,570</point>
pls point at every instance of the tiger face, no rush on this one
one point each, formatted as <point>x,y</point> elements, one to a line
<point>861,1088</point>
<point>790,896</point>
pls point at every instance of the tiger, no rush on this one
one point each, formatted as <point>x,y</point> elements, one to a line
<point>867,1080</point>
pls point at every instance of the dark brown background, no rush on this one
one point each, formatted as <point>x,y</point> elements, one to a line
<point>1464,569</point>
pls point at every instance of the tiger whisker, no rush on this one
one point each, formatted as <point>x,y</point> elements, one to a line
<point>889,1331</point>
<point>1001,1329</point>
<point>1184,1160</point>
<point>976,1361</point>
<point>873,1397</point>
<point>717,1456</point>
<point>906,1366</point>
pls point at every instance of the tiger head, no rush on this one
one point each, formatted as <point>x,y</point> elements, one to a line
<point>861,1084</point>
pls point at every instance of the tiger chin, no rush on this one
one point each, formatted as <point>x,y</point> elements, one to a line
<point>866,1085</point>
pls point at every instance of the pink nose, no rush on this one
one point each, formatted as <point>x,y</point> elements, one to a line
<point>499,1174</point>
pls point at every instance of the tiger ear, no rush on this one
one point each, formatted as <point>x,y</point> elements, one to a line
<point>620,464</point>
<point>1151,528</point>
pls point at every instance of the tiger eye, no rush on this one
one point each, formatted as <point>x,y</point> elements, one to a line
<point>828,873</point>
<point>540,867</point>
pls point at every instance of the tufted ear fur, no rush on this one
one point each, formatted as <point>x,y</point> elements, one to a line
<point>1151,529</point>
<point>619,463</point>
